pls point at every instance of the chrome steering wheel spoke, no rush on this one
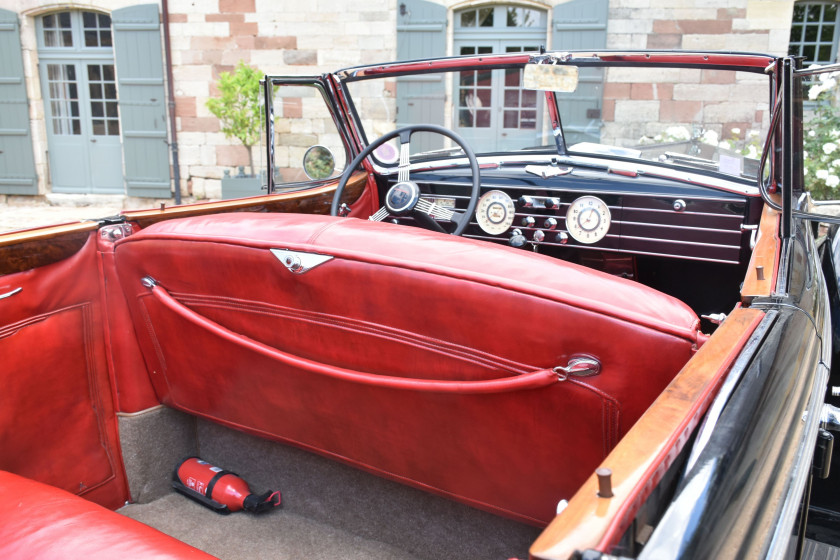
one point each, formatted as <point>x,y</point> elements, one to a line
<point>433,210</point>
<point>379,215</point>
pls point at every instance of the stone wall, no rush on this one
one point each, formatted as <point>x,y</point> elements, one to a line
<point>277,37</point>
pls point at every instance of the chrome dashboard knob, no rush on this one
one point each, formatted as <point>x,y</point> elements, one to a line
<point>528,221</point>
<point>550,223</point>
<point>562,238</point>
<point>539,235</point>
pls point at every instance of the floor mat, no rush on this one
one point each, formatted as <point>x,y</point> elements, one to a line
<point>276,535</point>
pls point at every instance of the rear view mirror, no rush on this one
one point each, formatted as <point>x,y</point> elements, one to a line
<point>551,77</point>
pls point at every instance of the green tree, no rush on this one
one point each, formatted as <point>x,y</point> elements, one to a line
<point>238,106</point>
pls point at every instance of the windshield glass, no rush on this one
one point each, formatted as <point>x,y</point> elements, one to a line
<point>708,119</point>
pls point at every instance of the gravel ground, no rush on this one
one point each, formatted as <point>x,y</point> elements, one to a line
<point>14,217</point>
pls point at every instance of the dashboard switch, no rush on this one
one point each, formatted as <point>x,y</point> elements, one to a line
<point>539,235</point>
<point>562,238</point>
<point>517,239</point>
<point>526,201</point>
<point>528,221</point>
<point>550,223</point>
<point>552,203</point>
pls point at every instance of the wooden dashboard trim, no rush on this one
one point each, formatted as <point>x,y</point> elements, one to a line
<point>641,458</point>
<point>310,201</point>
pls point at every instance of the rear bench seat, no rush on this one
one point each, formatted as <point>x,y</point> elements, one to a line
<point>422,357</point>
<point>41,521</point>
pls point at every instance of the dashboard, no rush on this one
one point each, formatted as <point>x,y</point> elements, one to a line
<point>556,210</point>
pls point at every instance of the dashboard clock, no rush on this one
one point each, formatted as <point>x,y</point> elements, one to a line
<point>495,212</point>
<point>588,219</point>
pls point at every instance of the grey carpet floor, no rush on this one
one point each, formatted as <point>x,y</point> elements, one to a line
<point>278,534</point>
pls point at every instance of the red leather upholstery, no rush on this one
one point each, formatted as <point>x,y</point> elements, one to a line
<point>40,521</point>
<point>402,303</point>
<point>57,419</point>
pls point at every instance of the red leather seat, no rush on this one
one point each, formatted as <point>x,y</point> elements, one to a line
<point>41,521</point>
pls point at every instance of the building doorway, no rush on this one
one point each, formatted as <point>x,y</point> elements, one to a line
<point>81,111</point>
<point>491,110</point>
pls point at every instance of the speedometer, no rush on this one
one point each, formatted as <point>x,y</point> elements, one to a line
<point>495,212</point>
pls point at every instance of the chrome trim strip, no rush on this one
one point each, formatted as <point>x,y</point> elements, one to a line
<point>578,188</point>
<point>10,294</point>
<point>692,243</point>
<point>613,250</point>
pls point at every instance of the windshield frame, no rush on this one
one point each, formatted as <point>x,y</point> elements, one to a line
<point>729,61</point>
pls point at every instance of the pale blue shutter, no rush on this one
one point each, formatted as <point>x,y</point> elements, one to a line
<point>139,58</point>
<point>17,164</point>
<point>581,24</point>
<point>421,33</point>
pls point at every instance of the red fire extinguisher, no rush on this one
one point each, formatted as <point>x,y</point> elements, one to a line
<point>220,490</point>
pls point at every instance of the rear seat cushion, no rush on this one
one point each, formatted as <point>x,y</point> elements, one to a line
<point>41,521</point>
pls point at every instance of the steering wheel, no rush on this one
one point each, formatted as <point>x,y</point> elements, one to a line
<point>404,197</point>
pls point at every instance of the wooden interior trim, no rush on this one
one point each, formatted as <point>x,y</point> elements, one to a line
<point>46,233</point>
<point>764,262</point>
<point>309,201</point>
<point>641,458</point>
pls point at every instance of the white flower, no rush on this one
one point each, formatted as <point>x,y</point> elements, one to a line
<point>709,137</point>
<point>829,148</point>
<point>835,163</point>
<point>752,133</point>
<point>832,181</point>
<point>806,171</point>
<point>736,131</point>
<point>811,133</point>
<point>822,174</point>
<point>834,133</point>
<point>678,133</point>
<point>725,145</point>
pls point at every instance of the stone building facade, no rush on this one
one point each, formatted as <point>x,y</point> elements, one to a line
<point>286,37</point>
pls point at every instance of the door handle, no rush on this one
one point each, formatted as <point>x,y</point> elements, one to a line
<point>93,140</point>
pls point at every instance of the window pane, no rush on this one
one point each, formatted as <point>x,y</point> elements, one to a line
<point>66,38</point>
<point>465,119</point>
<point>89,19</point>
<point>50,38</point>
<point>96,91</point>
<point>485,17</point>
<point>825,54</point>
<point>111,109</point>
<point>108,72</point>
<point>808,52</point>
<point>64,20</point>
<point>113,128</point>
<point>512,98</point>
<point>484,98</point>
<point>813,14</point>
<point>105,38</point>
<point>512,77</point>
<point>98,127</point>
<point>110,91</point>
<point>811,33</point>
<point>97,109</point>
<point>482,119</point>
<point>529,98</point>
<point>485,50</point>
<point>511,119</point>
<point>94,72</point>
<point>91,39</point>
<point>468,18</point>
<point>49,21</point>
<point>77,127</point>
<point>827,35</point>
<point>466,51</point>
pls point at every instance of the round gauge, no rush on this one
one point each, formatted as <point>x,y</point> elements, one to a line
<point>494,212</point>
<point>588,219</point>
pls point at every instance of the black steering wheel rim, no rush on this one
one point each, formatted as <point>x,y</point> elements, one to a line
<point>404,134</point>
